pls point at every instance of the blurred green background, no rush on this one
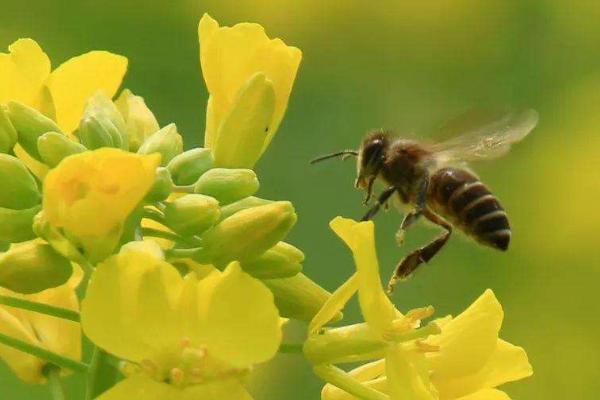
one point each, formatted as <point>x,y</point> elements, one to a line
<point>406,67</point>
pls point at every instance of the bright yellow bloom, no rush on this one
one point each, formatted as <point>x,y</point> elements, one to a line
<point>91,194</point>
<point>465,361</point>
<point>54,334</point>
<point>190,338</point>
<point>249,78</point>
<point>26,77</point>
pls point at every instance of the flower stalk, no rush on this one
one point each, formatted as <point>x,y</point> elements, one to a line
<point>42,308</point>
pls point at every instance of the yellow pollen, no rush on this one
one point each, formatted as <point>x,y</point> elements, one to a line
<point>177,376</point>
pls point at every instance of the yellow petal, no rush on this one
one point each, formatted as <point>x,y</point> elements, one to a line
<point>23,72</point>
<point>404,378</point>
<point>25,366</point>
<point>37,168</point>
<point>129,309</point>
<point>106,179</point>
<point>486,394</point>
<point>467,341</point>
<point>244,129</point>
<point>376,307</point>
<point>334,304</point>
<point>508,363</point>
<point>58,335</point>
<point>141,387</point>
<point>238,320</point>
<point>230,56</point>
<point>76,80</point>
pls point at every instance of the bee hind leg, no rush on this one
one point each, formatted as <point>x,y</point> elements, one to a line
<point>381,200</point>
<point>423,254</point>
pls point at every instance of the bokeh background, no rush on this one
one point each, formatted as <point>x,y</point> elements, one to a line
<point>407,66</point>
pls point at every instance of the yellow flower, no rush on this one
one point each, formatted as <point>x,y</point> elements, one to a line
<point>249,78</point>
<point>465,361</point>
<point>189,338</point>
<point>26,77</point>
<point>91,194</point>
<point>54,334</point>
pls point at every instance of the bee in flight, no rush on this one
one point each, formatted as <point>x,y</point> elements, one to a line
<point>433,181</point>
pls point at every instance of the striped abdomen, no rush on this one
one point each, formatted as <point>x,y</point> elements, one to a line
<point>459,196</point>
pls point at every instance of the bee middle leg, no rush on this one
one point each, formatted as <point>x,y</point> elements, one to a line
<point>381,200</point>
<point>423,254</point>
<point>416,213</point>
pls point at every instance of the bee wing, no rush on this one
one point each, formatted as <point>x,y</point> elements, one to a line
<point>487,141</point>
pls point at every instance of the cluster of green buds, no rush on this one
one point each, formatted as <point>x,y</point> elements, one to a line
<point>205,214</point>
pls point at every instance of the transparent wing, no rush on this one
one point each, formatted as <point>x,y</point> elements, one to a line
<point>489,140</point>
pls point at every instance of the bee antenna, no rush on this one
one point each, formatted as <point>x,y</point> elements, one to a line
<point>343,153</point>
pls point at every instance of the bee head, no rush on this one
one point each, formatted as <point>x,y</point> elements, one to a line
<point>371,157</point>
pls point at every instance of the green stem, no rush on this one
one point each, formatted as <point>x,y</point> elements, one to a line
<point>55,385</point>
<point>104,373</point>
<point>92,376</point>
<point>41,308</point>
<point>181,253</point>
<point>40,352</point>
<point>290,348</point>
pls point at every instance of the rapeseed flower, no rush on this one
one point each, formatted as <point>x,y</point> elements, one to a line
<point>185,337</point>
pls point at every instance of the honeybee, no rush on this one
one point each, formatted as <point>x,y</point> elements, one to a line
<point>433,181</point>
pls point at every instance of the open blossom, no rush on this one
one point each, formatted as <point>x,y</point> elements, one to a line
<point>190,338</point>
<point>26,77</point>
<point>249,77</point>
<point>465,361</point>
<point>91,194</point>
<point>57,335</point>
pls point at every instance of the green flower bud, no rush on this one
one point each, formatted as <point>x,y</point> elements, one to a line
<point>32,267</point>
<point>140,123</point>
<point>166,141</point>
<point>281,261</point>
<point>298,297</point>
<point>54,147</point>
<point>192,214</point>
<point>163,186</point>
<point>247,234</point>
<point>19,188</point>
<point>16,225</point>
<point>187,167</point>
<point>30,124</point>
<point>43,229</point>
<point>227,185</point>
<point>247,202</point>
<point>8,134</point>
<point>102,124</point>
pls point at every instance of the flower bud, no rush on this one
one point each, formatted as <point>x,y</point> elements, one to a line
<point>167,142</point>
<point>298,297</point>
<point>30,124</point>
<point>102,125</point>
<point>140,122</point>
<point>187,167</point>
<point>43,229</point>
<point>227,185</point>
<point>192,214</point>
<point>16,225</point>
<point>281,261</point>
<point>243,204</point>
<point>20,190</point>
<point>32,267</point>
<point>247,234</point>
<point>53,147</point>
<point>162,187</point>
<point>8,134</point>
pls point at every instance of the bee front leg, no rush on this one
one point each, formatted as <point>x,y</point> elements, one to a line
<point>381,200</point>
<point>423,254</point>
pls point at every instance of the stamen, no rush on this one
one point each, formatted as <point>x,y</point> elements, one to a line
<point>426,347</point>
<point>177,376</point>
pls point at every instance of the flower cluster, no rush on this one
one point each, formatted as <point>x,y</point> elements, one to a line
<point>169,262</point>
